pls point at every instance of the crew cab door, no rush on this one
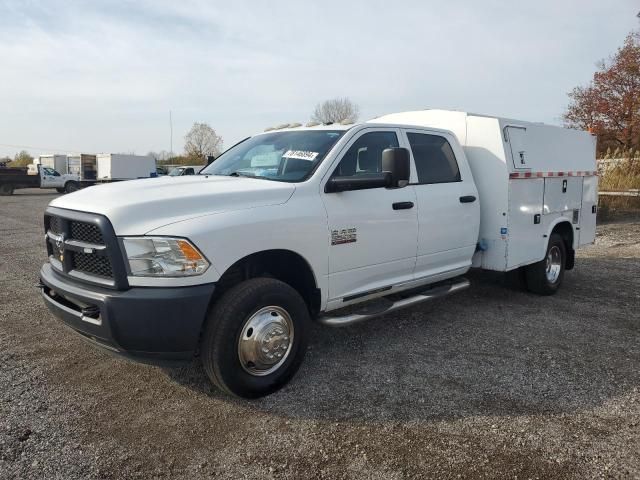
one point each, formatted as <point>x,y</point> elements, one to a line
<point>372,232</point>
<point>447,204</point>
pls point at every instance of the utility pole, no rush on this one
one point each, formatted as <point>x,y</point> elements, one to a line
<point>171,135</point>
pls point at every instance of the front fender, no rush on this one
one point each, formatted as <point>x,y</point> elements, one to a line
<point>226,238</point>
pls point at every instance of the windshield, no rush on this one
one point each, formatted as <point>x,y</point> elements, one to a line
<point>283,156</point>
<point>176,172</point>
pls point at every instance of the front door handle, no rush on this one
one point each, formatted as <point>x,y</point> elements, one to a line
<point>467,199</point>
<point>402,205</point>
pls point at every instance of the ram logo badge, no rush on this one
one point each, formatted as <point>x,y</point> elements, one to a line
<point>346,235</point>
<point>60,246</point>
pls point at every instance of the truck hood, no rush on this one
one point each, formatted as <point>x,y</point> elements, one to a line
<point>136,207</point>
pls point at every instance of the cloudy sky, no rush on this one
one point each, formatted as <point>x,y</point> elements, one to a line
<point>102,76</point>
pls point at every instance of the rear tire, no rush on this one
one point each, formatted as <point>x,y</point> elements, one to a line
<point>255,338</point>
<point>6,189</point>
<point>71,187</point>
<point>545,276</point>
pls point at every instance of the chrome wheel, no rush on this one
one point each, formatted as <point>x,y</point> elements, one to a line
<point>265,341</point>
<point>554,264</point>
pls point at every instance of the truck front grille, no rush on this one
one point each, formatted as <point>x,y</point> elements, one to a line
<point>84,246</point>
<point>92,264</point>
<point>86,232</point>
<point>55,224</point>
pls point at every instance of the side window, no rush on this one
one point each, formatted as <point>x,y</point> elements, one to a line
<point>188,171</point>
<point>435,161</point>
<point>365,155</point>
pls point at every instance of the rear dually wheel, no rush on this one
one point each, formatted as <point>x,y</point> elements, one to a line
<point>545,276</point>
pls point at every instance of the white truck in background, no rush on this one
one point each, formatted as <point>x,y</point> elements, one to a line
<point>33,176</point>
<point>292,225</point>
<point>88,169</point>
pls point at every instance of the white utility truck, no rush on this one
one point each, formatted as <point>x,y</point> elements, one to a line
<point>34,176</point>
<point>291,226</point>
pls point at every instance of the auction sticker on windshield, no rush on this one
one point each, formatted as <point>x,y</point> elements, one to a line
<point>301,154</point>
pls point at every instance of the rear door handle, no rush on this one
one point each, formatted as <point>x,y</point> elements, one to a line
<point>467,199</point>
<point>402,205</point>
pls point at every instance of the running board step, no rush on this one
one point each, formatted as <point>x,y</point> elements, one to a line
<point>392,306</point>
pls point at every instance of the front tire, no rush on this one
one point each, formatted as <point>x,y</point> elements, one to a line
<point>545,276</point>
<point>71,187</point>
<point>6,189</point>
<point>255,338</point>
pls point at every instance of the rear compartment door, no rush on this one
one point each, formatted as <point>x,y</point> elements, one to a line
<point>588,211</point>
<point>516,136</point>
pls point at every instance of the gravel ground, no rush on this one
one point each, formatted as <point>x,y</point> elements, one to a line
<point>492,382</point>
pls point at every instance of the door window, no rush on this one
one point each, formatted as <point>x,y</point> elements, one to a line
<point>434,158</point>
<point>365,155</point>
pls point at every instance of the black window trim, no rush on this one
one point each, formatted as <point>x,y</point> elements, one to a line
<point>361,132</point>
<point>406,132</point>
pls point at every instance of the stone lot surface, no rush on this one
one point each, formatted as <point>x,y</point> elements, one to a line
<point>492,383</point>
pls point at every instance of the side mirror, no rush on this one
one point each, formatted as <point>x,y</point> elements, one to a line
<point>358,182</point>
<point>396,162</point>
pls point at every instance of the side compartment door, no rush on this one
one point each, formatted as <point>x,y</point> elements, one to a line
<point>372,232</point>
<point>448,206</point>
<point>517,142</point>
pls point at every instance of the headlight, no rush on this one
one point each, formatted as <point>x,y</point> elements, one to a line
<point>163,257</point>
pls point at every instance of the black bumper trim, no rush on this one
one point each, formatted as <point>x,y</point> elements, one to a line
<point>149,324</point>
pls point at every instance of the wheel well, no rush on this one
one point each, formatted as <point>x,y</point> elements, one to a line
<point>284,265</point>
<point>565,230</point>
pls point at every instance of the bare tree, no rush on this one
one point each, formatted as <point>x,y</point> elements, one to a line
<point>201,142</point>
<point>336,110</point>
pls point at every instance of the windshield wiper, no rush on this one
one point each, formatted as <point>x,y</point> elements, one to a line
<point>240,174</point>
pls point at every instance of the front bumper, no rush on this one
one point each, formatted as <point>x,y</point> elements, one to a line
<point>153,325</point>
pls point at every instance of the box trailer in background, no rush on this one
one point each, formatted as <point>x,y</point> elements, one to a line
<point>84,166</point>
<point>58,162</point>
<point>117,166</point>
